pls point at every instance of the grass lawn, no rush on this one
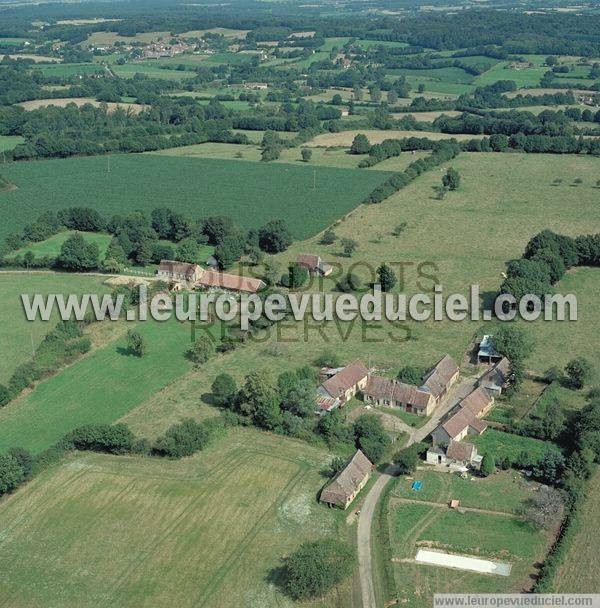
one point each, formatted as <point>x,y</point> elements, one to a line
<point>203,531</point>
<point>8,142</point>
<point>504,491</point>
<point>51,246</point>
<point>507,445</point>
<point>488,536</point>
<point>578,572</point>
<point>99,388</point>
<point>250,193</point>
<point>19,336</point>
<point>410,419</point>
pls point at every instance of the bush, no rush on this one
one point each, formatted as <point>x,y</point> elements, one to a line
<point>315,567</point>
<point>5,395</point>
<point>186,438</point>
<point>201,350</point>
<point>113,439</point>
<point>11,473</point>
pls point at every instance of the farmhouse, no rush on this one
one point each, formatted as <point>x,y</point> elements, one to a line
<point>466,420</point>
<point>170,270</point>
<point>182,272</point>
<point>457,453</point>
<point>496,378</point>
<point>443,375</point>
<point>348,482</point>
<point>393,393</point>
<point>314,264</point>
<point>342,386</point>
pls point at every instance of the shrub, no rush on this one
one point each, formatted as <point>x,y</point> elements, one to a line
<point>185,439</point>
<point>11,473</point>
<point>201,350</point>
<point>315,567</point>
<point>114,439</point>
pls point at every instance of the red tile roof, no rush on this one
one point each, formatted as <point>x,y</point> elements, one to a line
<point>393,390</point>
<point>173,267</point>
<point>477,401</point>
<point>352,374</point>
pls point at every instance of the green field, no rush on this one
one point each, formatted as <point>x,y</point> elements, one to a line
<point>19,336</point>
<point>251,193</point>
<point>507,445</point>
<point>152,70</point>
<point>578,572</point>
<point>51,247</point>
<point>526,77</point>
<point>99,388</point>
<point>68,69</point>
<point>203,531</point>
<point>8,142</point>
<point>495,536</point>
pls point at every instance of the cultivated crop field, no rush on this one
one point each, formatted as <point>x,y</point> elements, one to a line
<point>251,193</point>
<point>488,528</point>
<point>204,531</point>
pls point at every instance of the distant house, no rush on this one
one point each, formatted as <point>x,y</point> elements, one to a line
<point>457,453</point>
<point>441,377</point>
<point>348,482</point>
<point>496,378</point>
<point>487,353</point>
<point>392,393</point>
<point>256,86</point>
<point>314,264</point>
<point>341,387</point>
<point>170,270</point>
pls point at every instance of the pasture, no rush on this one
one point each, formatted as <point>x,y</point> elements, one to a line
<point>99,388</point>
<point>251,193</point>
<point>578,572</point>
<point>51,247</point>
<point>321,157</point>
<point>19,336</point>
<point>62,70</point>
<point>465,239</point>
<point>494,532</point>
<point>507,445</point>
<point>129,70</point>
<point>344,138</point>
<point>204,531</point>
<point>8,142</point>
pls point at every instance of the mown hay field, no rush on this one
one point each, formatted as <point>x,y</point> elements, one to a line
<point>250,193</point>
<point>207,531</point>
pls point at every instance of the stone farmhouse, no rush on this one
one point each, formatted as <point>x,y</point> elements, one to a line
<point>339,388</point>
<point>416,400</point>
<point>346,382</point>
<point>194,276</point>
<point>348,482</point>
<point>466,419</point>
<point>459,454</point>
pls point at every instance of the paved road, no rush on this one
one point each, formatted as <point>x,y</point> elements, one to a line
<point>367,510</point>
